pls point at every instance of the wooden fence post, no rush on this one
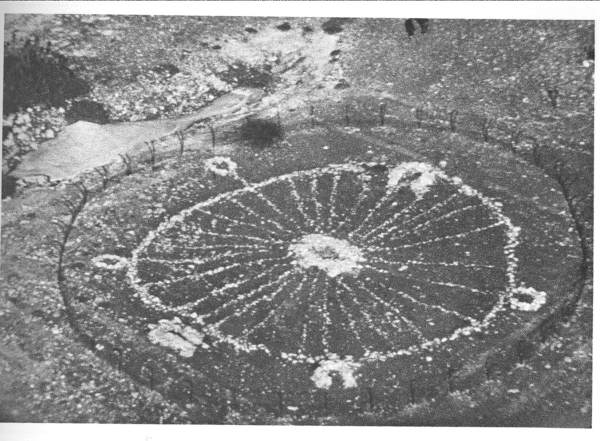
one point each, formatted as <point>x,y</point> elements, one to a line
<point>371,398</point>
<point>151,145</point>
<point>453,115</point>
<point>485,129</point>
<point>148,375</point>
<point>449,375</point>
<point>213,137</point>
<point>515,137</point>
<point>419,115</point>
<point>536,154</point>
<point>128,162</point>
<point>280,399</point>
<point>104,175</point>
<point>180,138</point>
<point>553,95</point>
<point>119,353</point>
<point>487,369</point>
<point>382,110</point>
<point>347,113</point>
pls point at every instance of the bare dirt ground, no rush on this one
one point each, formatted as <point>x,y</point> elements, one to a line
<point>500,69</point>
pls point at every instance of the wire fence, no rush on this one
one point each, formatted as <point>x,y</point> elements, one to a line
<point>213,395</point>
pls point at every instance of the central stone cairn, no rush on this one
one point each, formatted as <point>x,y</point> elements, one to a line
<point>334,256</point>
<point>334,266</point>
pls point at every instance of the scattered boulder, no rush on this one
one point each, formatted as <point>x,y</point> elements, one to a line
<point>285,26</point>
<point>335,55</point>
<point>410,27</point>
<point>216,47</point>
<point>342,84</point>
<point>250,30</point>
<point>307,30</point>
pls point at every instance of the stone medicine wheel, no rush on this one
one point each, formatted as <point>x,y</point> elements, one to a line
<point>356,261</point>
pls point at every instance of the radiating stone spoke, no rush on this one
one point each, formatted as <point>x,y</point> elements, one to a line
<point>392,220</point>
<point>434,208</point>
<point>318,207</point>
<point>300,203</point>
<point>421,226</point>
<point>246,306</point>
<point>238,237</point>
<point>389,194</point>
<point>311,307</point>
<point>228,288</point>
<point>440,238</point>
<point>398,313</point>
<point>236,222</point>
<point>227,246</point>
<point>352,325</point>
<point>448,284</point>
<point>373,323</point>
<point>274,309</point>
<point>364,260</point>
<point>450,264</point>
<point>333,216</point>
<point>426,305</point>
<point>249,210</point>
<point>273,207</point>
<point>325,331</point>
<point>376,229</point>
<point>350,215</point>
<point>206,260</point>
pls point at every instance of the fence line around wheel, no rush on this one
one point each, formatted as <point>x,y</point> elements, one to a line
<point>216,398</point>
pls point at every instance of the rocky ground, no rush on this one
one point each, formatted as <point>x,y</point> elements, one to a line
<point>500,69</point>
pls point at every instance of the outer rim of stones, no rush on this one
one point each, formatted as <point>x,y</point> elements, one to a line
<point>512,233</point>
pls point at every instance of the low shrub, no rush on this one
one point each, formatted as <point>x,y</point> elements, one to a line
<point>87,110</point>
<point>35,74</point>
<point>334,25</point>
<point>261,133</point>
<point>285,26</point>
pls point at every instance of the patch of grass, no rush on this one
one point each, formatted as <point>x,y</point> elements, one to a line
<point>35,74</point>
<point>261,133</point>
